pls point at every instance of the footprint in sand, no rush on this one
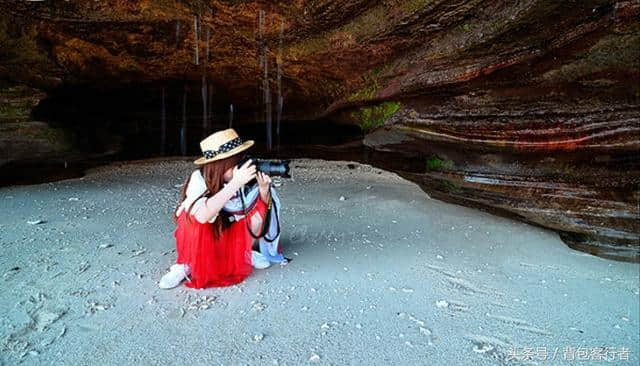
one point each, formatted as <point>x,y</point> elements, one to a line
<point>423,329</point>
<point>452,305</point>
<point>497,348</point>
<point>31,323</point>
<point>519,324</point>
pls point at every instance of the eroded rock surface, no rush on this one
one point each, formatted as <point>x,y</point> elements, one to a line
<point>527,107</point>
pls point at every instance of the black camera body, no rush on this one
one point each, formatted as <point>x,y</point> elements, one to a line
<point>272,168</point>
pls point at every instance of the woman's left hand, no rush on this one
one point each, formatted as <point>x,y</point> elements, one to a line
<point>264,181</point>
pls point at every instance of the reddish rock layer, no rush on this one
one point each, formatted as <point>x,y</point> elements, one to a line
<point>527,107</point>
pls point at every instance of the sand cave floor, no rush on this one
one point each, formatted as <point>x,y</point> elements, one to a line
<point>381,274</point>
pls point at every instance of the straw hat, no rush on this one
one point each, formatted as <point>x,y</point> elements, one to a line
<point>221,145</point>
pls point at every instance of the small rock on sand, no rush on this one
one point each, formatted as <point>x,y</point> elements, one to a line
<point>258,337</point>
<point>442,304</point>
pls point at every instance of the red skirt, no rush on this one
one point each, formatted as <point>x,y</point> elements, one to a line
<point>215,263</point>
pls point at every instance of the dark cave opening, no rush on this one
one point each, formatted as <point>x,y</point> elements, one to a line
<point>128,122</point>
<point>109,124</point>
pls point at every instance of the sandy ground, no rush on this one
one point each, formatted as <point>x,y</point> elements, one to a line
<point>383,276</point>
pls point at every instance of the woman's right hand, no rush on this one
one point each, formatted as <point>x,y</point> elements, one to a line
<point>243,174</point>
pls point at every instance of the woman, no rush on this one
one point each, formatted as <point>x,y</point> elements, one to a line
<point>214,247</point>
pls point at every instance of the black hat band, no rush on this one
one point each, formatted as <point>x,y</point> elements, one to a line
<point>227,146</point>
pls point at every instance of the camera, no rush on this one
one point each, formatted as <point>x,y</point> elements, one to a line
<point>272,168</point>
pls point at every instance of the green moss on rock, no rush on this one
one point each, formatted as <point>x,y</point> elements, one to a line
<point>371,117</point>
<point>9,111</point>
<point>436,163</point>
<point>38,134</point>
<point>15,53</point>
<point>612,53</point>
<point>451,187</point>
<point>364,93</point>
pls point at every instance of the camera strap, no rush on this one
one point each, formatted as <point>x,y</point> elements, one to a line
<point>266,221</point>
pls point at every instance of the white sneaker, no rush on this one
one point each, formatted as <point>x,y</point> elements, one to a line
<point>258,260</point>
<point>177,273</point>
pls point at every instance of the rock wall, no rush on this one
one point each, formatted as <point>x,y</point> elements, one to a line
<point>524,107</point>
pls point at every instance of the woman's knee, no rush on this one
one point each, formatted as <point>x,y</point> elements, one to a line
<point>256,223</point>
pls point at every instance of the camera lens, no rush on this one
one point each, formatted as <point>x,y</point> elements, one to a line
<point>273,168</point>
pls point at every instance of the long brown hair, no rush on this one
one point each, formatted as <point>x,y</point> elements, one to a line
<point>213,174</point>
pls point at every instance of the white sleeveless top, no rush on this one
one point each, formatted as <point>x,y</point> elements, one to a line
<point>196,187</point>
